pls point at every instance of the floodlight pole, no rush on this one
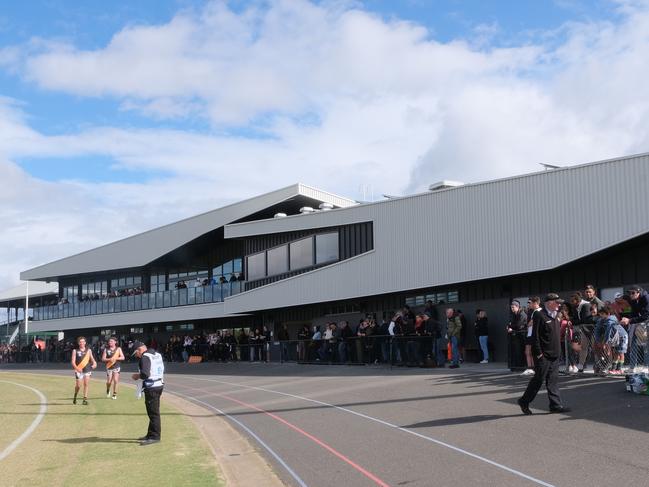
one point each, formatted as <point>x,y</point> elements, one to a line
<point>27,309</point>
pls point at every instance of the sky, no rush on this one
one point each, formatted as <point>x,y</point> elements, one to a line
<point>117,117</point>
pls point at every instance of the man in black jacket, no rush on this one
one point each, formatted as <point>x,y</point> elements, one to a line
<point>546,350</point>
<point>517,331</point>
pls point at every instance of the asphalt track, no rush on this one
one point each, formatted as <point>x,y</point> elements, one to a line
<point>363,426</point>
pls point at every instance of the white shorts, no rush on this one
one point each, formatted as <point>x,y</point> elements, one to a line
<point>81,375</point>
<point>110,372</point>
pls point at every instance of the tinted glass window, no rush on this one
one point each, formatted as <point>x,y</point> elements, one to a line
<point>326,247</point>
<point>278,260</point>
<point>302,253</point>
<point>257,266</point>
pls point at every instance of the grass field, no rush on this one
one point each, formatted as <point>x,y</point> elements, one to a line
<point>95,444</point>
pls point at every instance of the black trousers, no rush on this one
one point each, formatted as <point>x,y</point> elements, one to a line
<point>516,357</point>
<point>152,403</point>
<point>548,371</point>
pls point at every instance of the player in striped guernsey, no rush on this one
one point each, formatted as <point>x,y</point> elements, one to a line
<point>83,363</point>
<point>112,356</point>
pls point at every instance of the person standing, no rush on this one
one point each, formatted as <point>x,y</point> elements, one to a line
<point>516,330</point>
<point>83,364</point>
<point>112,356</point>
<point>533,305</point>
<point>482,332</point>
<point>454,330</point>
<point>151,372</point>
<point>546,350</point>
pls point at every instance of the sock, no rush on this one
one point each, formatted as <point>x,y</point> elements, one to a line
<point>108,389</point>
<point>76,393</point>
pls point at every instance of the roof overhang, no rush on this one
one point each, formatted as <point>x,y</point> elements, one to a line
<point>141,249</point>
<point>36,289</point>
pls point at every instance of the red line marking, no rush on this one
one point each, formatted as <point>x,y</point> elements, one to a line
<point>369,475</point>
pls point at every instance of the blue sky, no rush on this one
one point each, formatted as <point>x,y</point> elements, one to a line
<point>91,25</point>
<point>117,117</point>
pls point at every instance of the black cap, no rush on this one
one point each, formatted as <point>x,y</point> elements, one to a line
<point>137,345</point>
<point>552,297</point>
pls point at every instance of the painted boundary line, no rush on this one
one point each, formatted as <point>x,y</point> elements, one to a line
<point>248,430</point>
<point>390,425</point>
<point>5,453</point>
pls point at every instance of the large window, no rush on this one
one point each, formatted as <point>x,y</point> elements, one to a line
<point>301,253</point>
<point>126,282</point>
<point>326,247</point>
<point>158,283</point>
<point>71,293</point>
<point>91,289</point>
<point>228,272</point>
<point>184,279</point>
<point>278,260</point>
<point>256,266</point>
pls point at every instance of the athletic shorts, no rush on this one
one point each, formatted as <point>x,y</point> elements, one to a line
<point>80,375</point>
<point>110,372</point>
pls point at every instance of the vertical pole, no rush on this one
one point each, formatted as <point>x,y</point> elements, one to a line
<point>27,309</point>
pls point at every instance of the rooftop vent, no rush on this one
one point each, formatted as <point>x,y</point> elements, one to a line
<point>326,206</point>
<point>279,215</point>
<point>444,185</point>
<point>306,209</point>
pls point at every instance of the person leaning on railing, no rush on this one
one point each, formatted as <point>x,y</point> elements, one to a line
<point>639,316</point>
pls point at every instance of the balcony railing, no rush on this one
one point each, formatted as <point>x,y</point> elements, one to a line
<point>164,299</point>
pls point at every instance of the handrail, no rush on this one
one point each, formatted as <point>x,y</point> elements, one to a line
<point>172,298</point>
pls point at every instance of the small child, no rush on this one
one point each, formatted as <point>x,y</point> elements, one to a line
<point>615,336</point>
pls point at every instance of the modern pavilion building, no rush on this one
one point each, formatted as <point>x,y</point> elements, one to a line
<point>300,255</point>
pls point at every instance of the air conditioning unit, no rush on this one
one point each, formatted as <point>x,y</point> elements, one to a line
<point>326,206</point>
<point>306,209</point>
<point>279,215</point>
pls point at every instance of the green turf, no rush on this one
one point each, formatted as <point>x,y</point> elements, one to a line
<point>95,444</point>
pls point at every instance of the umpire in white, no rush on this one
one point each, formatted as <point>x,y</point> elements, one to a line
<point>152,374</point>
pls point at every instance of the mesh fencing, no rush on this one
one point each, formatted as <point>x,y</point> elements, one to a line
<point>586,349</point>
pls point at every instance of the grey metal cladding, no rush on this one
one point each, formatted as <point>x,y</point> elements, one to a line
<point>143,248</point>
<point>478,231</point>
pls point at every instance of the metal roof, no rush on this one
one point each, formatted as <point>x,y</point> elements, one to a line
<point>139,250</point>
<point>477,231</point>
<point>36,289</point>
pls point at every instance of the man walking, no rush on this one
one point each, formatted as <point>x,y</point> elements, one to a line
<point>546,350</point>
<point>152,374</point>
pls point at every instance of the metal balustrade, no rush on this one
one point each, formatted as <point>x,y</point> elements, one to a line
<point>163,299</point>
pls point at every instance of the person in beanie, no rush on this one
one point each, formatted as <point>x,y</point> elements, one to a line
<point>546,351</point>
<point>151,372</point>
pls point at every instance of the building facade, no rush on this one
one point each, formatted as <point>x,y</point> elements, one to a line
<point>304,256</point>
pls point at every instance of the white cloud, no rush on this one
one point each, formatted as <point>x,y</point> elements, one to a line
<point>342,97</point>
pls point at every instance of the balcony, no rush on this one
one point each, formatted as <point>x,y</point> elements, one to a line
<point>164,299</point>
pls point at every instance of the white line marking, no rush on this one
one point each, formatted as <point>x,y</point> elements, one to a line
<point>385,423</point>
<point>249,431</point>
<point>5,453</point>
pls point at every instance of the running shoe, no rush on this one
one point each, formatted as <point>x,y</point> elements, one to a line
<point>85,401</point>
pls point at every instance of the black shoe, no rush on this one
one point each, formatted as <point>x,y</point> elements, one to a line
<point>74,401</point>
<point>149,441</point>
<point>85,401</point>
<point>524,407</point>
<point>560,409</point>
<point>143,438</point>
